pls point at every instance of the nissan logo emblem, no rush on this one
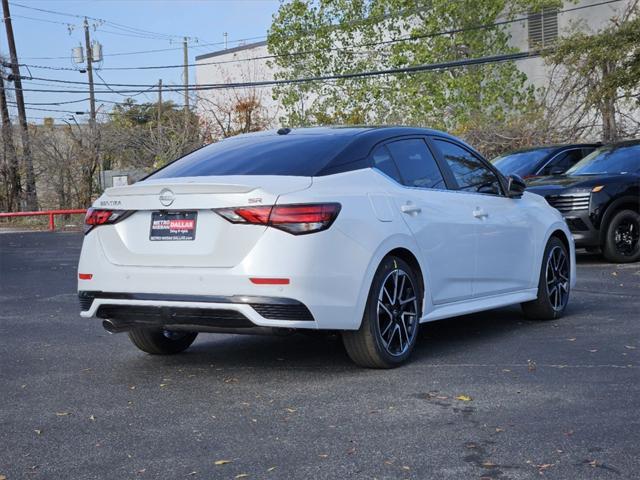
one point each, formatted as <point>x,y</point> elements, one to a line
<point>166,197</point>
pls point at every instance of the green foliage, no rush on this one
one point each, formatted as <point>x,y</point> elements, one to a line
<point>338,36</point>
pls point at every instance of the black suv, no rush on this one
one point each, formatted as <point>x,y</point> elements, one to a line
<point>543,161</point>
<point>600,200</point>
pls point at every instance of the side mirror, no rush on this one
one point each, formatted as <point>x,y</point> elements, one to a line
<point>515,186</point>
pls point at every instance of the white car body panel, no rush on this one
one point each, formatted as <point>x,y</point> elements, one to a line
<point>468,264</point>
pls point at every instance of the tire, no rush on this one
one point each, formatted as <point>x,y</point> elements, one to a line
<point>622,240</point>
<point>157,341</point>
<point>386,341</point>
<point>553,284</point>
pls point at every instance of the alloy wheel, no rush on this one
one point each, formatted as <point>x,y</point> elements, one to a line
<point>397,312</point>
<point>626,237</point>
<point>557,277</point>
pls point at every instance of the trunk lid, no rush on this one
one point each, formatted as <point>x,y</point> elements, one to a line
<point>216,243</point>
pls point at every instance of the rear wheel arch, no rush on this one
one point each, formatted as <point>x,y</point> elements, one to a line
<point>413,262</point>
<point>403,247</point>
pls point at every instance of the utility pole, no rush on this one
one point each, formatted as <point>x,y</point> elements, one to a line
<point>31,195</point>
<point>185,74</point>
<point>158,151</point>
<point>159,103</point>
<point>14,188</point>
<point>92,99</point>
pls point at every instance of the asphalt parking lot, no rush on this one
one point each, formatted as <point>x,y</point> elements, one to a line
<point>486,396</point>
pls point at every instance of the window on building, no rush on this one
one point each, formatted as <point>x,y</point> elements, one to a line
<point>543,28</point>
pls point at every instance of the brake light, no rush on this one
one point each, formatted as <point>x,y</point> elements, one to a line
<point>297,219</point>
<point>95,217</point>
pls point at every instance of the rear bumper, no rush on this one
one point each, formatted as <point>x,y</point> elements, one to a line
<point>324,272</point>
<point>199,312</point>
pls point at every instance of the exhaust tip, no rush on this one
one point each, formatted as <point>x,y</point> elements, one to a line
<point>111,327</point>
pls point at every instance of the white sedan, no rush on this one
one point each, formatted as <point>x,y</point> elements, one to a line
<point>366,231</point>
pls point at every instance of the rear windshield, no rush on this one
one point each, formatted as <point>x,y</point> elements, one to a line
<point>291,155</point>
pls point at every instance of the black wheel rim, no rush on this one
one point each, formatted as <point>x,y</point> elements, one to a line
<point>557,277</point>
<point>397,312</point>
<point>626,236</point>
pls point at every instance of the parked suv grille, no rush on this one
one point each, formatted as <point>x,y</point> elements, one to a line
<point>571,202</point>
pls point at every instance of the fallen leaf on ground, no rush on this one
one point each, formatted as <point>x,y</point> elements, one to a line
<point>488,464</point>
<point>271,469</point>
<point>572,339</point>
<point>290,410</point>
<point>38,432</point>
<point>593,350</point>
<point>404,467</point>
<point>92,418</point>
<point>63,414</point>
<point>630,347</point>
<point>222,462</point>
<point>498,429</point>
<point>242,475</point>
<point>464,398</point>
<point>323,455</point>
<point>191,473</point>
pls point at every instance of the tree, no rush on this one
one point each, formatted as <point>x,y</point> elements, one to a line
<point>133,138</point>
<point>314,38</point>
<point>600,74</point>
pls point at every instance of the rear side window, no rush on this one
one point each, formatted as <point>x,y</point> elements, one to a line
<point>382,161</point>
<point>417,166</point>
<point>291,155</point>
<point>471,174</point>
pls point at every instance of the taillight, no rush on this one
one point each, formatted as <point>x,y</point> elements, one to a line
<point>95,217</point>
<point>296,219</point>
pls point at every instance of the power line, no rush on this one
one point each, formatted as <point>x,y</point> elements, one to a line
<point>342,76</point>
<point>337,49</point>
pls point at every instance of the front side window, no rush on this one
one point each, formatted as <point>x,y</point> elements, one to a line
<point>417,166</point>
<point>470,173</point>
<point>562,162</point>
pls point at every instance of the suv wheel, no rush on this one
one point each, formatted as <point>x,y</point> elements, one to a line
<point>622,241</point>
<point>389,327</point>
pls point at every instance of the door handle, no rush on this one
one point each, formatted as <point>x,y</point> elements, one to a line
<point>410,208</point>
<point>480,213</point>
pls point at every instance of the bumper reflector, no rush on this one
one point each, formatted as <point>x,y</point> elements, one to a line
<point>270,281</point>
<point>85,276</point>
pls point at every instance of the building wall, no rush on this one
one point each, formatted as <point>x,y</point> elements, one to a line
<point>590,19</point>
<point>223,67</point>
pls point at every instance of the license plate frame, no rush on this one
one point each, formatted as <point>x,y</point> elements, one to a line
<point>170,226</point>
